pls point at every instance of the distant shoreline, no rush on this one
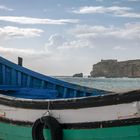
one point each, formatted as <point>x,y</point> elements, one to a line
<point>96,77</point>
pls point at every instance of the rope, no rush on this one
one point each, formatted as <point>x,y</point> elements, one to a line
<point>47,113</point>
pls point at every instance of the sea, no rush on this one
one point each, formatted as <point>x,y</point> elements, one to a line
<point>111,84</point>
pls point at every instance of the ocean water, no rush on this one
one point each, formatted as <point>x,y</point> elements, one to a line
<point>110,84</point>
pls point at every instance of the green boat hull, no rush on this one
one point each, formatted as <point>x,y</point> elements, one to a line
<point>18,132</point>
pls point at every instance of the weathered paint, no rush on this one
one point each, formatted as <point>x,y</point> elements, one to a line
<point>15,132</point>
<point>92,114</point>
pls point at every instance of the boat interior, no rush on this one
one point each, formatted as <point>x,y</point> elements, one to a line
<point>20,82</point>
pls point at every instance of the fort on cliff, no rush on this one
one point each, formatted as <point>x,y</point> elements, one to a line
<point>112,68</point>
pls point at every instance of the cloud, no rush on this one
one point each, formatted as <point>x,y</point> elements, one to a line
<point>76,44</point>
<point>115,10</point>
<point>99,0</point>
<point>133,0</point>
<point>9,32</point>
<point>88,38</point>
<point>129,15</point>
<point>119,48</point>
<point>100,9</point>
<point>129,31</point>
<point>55,41</point>
<point>59,43</point>
<point>30,20</point>
<point>4,8</point>
<point>23,52</point>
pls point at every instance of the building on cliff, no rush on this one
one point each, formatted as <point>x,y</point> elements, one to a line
<point>113,68</point>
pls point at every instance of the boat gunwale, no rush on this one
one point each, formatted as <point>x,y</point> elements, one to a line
<point>72,103</point>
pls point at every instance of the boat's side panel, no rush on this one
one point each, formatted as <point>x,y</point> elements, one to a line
<point>92,114</point>
<point>15,132</point>
<point>114,133</point>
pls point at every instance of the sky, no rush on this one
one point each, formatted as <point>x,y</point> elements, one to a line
<point>64,37</point>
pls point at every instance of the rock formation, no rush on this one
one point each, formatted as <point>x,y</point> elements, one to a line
<point>78,75</point>
<point>113,68</point>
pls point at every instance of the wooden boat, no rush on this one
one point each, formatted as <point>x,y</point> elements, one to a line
<point>35,107</point>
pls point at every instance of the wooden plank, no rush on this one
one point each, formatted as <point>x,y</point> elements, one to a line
<point>65,93</point>
<point>42,84</point>
<point>75,93</point>
<point>13,77</point>
<point>19,78</point>
<point>3,74</point>
<point>28,80</point>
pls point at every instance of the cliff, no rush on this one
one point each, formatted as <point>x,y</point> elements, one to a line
<point>113,68</point>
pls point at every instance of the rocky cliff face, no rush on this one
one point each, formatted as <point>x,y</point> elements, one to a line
<point>113,68</point>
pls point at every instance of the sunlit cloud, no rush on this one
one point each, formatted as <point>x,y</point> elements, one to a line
<point>129,31</point>
<point>59,42</point>
<point>9,32</point>
<point>30,20</point>
<point>114,10</point>
<point>101,9</point>
<point>23,52</point>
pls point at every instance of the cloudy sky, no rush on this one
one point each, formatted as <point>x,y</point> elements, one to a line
<point>63,37</point>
